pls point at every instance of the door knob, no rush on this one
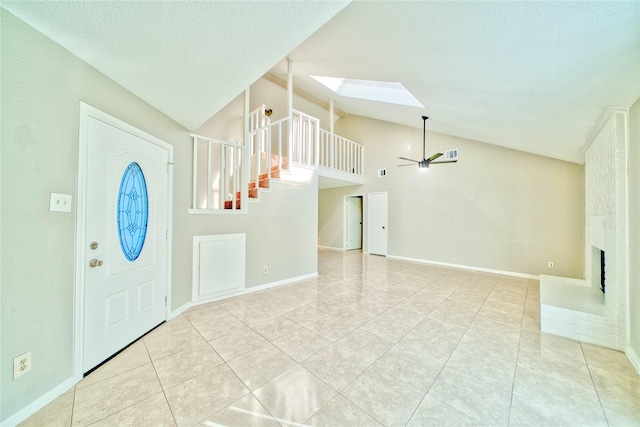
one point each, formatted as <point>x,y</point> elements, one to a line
<point>93,246</point>
<point>95,263</point>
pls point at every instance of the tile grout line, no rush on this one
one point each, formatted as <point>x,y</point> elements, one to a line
<point>161,386</point>
<point>595,388</point>
<point>73,406</point>
<point>515,371</point>
<point>373,363</point>
<point>447,361</point>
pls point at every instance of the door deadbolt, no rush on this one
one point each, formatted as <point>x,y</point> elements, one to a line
<point>95,263</point>
<point>93,246</point>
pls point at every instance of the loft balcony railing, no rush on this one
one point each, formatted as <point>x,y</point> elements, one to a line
<point>222,170</point>
<point>342,154</point>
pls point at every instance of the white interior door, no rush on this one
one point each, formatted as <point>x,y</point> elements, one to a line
<point>377,223</point>
<point>126,239</point>
<point>354,223</point>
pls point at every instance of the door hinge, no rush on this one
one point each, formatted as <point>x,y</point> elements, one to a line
<point>169,164</point>
<point>166,234</point>
<point>165,300</point>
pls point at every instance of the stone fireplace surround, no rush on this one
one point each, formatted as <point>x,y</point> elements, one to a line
<point>576,308</point>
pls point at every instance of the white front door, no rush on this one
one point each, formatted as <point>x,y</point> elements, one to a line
<point>377,223</point>
<point>126,239</point>
<point>354,222</point>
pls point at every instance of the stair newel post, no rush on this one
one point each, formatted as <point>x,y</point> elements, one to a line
<point>254,136</point>
<point>209,175</point>
<point>222,187</point>
<point>332,138</point>
<point>236,178</point>
<point>316,142</point>
<point>246,153</point>
<point>290,107</point>
<point>279,145</point>
<point>195,173</point>
<point>309,148</point>
<point>268,157</point>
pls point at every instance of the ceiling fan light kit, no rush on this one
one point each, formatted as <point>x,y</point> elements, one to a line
<point>451,155</point>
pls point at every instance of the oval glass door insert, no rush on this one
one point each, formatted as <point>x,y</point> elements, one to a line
<point>133,211</point>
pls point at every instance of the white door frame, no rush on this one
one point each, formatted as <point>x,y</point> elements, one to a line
<point>345,217</point>
<point>87,111</point>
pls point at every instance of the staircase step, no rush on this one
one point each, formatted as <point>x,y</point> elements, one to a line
<point>263,183</point>
<point>228,204</point>
<point>274,160</point>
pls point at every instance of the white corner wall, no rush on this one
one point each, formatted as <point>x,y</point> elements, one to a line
<point>633,349</point>
<point>42,86</point>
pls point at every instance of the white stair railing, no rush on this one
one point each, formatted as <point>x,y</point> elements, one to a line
<point>217,174</point>
<point>267,142</point>
<point>219,166</point>
<point>305,136</point>
<point>340,153</point>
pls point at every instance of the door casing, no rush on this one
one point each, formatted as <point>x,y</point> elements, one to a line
<point>87,111</point>
<point>345,220</point>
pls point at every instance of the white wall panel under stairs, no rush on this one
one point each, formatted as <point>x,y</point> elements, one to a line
<point>218,265</point>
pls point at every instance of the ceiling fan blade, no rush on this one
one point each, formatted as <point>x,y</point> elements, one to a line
<point>444,161</point>
<point>411,160</point>
<point>435,156</point>
<point>410,164</point>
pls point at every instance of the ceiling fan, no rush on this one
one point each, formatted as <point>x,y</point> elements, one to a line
<point>451,155</point>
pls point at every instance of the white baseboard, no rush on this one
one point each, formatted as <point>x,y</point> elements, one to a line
<point>38,404</point>
<point>245,291</point>
<point>331,248</point>
<point>178,311</point>
<point>466,267</point>
<point>633,358</point>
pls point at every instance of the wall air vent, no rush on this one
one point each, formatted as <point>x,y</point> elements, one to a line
<point>451,154</point>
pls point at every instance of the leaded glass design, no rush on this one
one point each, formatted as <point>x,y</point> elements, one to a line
<point>133,211</point>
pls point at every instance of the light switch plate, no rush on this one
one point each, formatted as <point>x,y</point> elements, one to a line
<point>60,202</point>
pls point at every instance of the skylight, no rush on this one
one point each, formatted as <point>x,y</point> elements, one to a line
<point>391,92</point>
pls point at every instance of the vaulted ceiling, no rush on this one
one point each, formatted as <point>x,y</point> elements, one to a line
<point>533,76</point>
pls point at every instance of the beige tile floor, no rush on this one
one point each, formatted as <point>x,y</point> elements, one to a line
<point>372,341</point>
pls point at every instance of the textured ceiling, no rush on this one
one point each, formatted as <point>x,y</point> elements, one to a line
<point>187,59</point>
<point>534,76</point>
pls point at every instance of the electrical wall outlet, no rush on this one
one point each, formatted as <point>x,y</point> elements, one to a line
<point>60,202</point>
<point>551,265</point>
<point>21,365</point>
<point>265,269</point>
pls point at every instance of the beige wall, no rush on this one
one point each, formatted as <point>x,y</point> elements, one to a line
<point>496,208</point>
<point>42,86</point>
<point>634,226</point>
